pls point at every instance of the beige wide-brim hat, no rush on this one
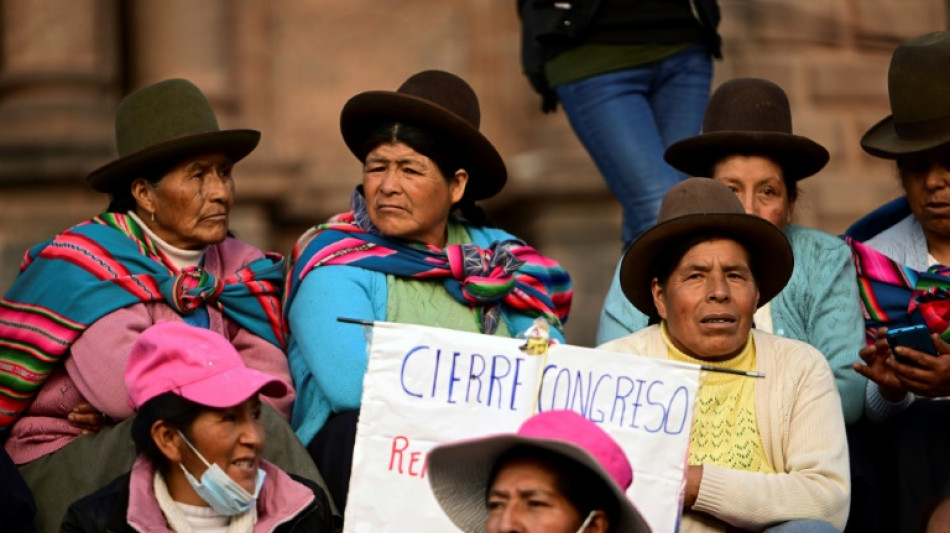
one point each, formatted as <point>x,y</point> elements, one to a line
<point>700,206</point>
<point>441,103</point>
<point>918,86</point>
<point>748,116</point>
<point>459,472</point>
<point>166,122</point>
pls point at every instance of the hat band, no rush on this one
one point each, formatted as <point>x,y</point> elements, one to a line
<point>922,129</point>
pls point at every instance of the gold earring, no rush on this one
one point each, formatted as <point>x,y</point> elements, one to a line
<point>153,216</point>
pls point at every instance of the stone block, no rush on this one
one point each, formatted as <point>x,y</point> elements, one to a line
<point>786,21</point>
<point>782,67</point>
<point>848,78</point>
<point>824,126</point>
<point>885,23</point>
<point>852,195</point>
<point>550,171</point>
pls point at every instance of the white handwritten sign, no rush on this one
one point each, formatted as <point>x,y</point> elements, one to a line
<point>425,386</point>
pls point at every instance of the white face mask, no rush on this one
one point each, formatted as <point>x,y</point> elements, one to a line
<point>222,493</point>
<point>586,522</point>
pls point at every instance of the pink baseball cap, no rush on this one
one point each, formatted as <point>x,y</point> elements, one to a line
<point>458,472</point>
<point>194,363</point>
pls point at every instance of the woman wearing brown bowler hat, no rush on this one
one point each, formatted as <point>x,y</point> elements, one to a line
<point>767,453</point>
<point>903,278</point>
<point>747,144</point>
<point>160,252</point>
<point>413,248</point>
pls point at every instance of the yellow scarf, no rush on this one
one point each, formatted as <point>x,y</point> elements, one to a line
<point>725,431</point>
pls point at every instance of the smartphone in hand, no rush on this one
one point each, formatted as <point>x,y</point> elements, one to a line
<point>916,337</point>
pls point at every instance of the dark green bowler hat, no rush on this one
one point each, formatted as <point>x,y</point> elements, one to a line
<point>918,86</point>
<point>169,120</point>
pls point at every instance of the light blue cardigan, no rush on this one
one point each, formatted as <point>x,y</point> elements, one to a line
<point>819,305</point>
<point>328,358</point>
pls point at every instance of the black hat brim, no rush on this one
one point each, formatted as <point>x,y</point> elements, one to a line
<point>366,111</point>
<point>767,246</point>
<point>882,140</point>
<point>798,156</point>
<point>236,144</point>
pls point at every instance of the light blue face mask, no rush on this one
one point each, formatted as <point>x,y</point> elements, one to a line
<point>222,493</point>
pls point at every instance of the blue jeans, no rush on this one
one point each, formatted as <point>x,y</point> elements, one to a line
<point>627,119</point>
<point>802,526</point>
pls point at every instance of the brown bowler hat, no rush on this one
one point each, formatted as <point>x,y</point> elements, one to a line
<point>698,206</point>
<point>918,84</point>
<point>169,120</point>
<point>748,116</point>
<point>444,104</point>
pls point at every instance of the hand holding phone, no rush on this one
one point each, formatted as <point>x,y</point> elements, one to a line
<point>916,337</point>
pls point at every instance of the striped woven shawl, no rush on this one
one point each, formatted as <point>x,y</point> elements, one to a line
<point>896,295</point>
<point>101,265</point>
<point>508,272</point>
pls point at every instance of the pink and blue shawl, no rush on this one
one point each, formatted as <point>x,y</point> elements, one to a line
<point>508,272</point>
<point>896,295</point>
<point>101,265</point>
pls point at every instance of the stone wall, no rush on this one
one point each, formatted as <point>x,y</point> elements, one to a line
<point>288,67</point>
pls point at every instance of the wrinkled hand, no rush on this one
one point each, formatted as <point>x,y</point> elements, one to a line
<point>878,367</point>
<point>87,418</point>
<point>922,373</point>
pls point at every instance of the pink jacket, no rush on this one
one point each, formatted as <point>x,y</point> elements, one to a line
<point>281,498</point>
<point>94,369</point>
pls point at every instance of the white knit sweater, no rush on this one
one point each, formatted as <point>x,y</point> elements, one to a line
<point>802,429</point>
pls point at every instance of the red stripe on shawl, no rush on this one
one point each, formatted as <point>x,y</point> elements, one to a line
<point>520,300</point>
<point>24,374</point>
<point>869,261</point>
<point>337,254</point>
<point>10,407</point>
<point>37,309</point>
<point>433,273</point>
<point>532,257</point>
<point>40,355</point>
<point>27,261</point>
<point>871,305</point>
<point>263,292</point>
<point>271,307</point>
<point>103,266</point>
<point>525,302</point>
<point>141,239</point>
<point>533,282</point>
<point>70,246</point>
<point>40,328</point>
<point>455,259</point>
<point>563,299</point>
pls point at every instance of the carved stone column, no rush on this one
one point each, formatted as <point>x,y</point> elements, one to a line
<point>57,84</point>
<point>58,88</point>
<point>184,39</point>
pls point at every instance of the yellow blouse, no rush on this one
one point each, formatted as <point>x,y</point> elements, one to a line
<point>725,431</point>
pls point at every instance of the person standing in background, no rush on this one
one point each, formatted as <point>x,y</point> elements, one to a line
<point>633,78</point>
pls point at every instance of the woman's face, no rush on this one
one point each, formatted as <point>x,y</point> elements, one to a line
<point>709,300</point>
<point>524,498</point>
<point>760,185</point>
<point>191,203</point>
<point>407,196</point>
<point>232,438</point>
<point>926,180</point>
